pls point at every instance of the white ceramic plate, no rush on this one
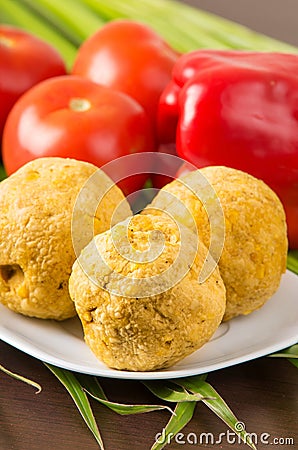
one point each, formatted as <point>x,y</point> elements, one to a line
<point>271,328</point>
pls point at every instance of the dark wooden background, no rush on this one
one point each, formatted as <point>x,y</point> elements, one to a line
<point>262,393</point>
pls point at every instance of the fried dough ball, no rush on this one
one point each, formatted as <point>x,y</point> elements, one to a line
<point>255,245</point>
<point>36,249</point>
<point>137,293</point>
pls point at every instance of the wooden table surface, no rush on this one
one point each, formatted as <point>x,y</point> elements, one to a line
<point>262,393</point>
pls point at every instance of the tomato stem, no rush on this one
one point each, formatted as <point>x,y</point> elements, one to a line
<point>79,104</point>
<point>6,41</point>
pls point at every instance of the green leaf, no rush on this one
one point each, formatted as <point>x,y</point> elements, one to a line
<point>73,386</point>
<point>290,352</point>
<point>91,383</point>
<point>186,403</point>
<point>183,413</point>
<point>17,13</point>
<point>21,378</point>
<point>171,393</point>
<point>2,173</point>
<point>57,14</point>
<point>126,409</point>
<point>217,405</point>
<point>294,361</point>
<point>187,28</point>
<point>292,262</point>
<point>92,387</point>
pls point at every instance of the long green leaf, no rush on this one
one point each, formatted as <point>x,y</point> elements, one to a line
<point>188,28</point>
<point>92,387</point>
<point>21,378</point>
<point>183,413</point>
<point>217,405</point>
<point>175,33</point>
<point>294,361</point>
<point>127,409</point>
<point>292,262</point>
<point>2,173</point>
<point>19,15</point>
<point>91,383</point>
<point>183,26</point>
<point>227,32</point>
<point>290,352</point>
<point>171,393</point>
<point>74,388</point>
<point>70,17</point>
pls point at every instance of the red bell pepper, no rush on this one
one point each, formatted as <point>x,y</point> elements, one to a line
<point>238,109</point>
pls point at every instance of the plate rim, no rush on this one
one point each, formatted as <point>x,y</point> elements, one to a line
<point>107,372</point>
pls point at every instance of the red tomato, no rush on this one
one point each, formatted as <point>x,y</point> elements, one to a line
<point>25,60</point>
<point>73,117</point>
<point>131,57</point>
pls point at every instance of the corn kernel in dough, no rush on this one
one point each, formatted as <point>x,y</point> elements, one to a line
<point>36,250</point>
<point>255,247</point>
<point>131,326</point>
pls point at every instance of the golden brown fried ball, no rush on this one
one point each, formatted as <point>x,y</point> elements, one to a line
<point>142,309</point>
<point>36,250</point>
<point>255,246</point>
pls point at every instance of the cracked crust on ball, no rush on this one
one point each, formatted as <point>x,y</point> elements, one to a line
<point>36,250</point>
<point>132,331</point>
<point>255,247</point>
